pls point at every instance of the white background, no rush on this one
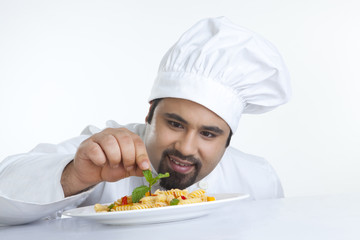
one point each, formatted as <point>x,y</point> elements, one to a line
<point>67,64</point>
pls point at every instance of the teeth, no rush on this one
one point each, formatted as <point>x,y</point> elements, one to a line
<point>180,164</point>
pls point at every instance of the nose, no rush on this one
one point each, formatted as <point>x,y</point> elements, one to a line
<point>187,144</point>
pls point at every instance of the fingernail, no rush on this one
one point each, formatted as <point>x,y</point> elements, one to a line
<point>145,165</point>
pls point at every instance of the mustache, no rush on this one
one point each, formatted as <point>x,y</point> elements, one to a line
<point>189,158</point>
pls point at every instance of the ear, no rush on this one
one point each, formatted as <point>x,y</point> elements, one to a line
<point>147,116</point>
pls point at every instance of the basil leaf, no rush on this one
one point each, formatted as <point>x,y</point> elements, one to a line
<point>111,206</point>
<point>175,201</point>
<point>139,193</point>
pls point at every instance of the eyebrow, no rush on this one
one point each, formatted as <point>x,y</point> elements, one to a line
<point>214,129</point>
<point>176,117</point>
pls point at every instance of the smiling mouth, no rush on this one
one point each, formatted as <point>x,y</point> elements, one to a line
<point>180,165</point>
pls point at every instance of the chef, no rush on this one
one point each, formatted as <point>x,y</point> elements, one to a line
<point>213,74</point>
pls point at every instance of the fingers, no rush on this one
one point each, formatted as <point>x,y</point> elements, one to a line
<point>92,151</point>
<point>134,157</point>
<point>119,148</point>
<point>127,149</point>
<point>142,159</point>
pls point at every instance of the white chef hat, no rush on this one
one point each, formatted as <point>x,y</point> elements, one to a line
<point>226,68</point>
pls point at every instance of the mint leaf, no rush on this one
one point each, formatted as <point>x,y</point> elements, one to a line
<point>139,193</point>
<point>160,175</point>
<point>175,201</point>
<point>152,182</point>
<point>148,175</point>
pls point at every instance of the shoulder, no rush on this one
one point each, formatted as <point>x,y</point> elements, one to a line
<point>136,128</point>
<point>247,173</point>
<point>237,158</point>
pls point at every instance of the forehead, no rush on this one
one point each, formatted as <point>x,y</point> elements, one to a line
<point>190,111</point>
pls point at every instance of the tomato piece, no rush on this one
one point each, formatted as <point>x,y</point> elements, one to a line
<point>124,200</point>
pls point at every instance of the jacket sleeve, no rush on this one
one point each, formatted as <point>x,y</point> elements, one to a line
<point>30,187</point>
<point>34,178</point>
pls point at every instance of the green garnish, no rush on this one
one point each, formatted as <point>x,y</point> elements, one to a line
<point>175,201</point>
<point>111,206</point>
<point>148,176</point>
<point>140,192</point>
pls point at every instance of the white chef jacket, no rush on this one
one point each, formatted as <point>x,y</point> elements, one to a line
<point>34,177</point>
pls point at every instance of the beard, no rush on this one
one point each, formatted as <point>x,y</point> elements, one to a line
<point>176,179</point>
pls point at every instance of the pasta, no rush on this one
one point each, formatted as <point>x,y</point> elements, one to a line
<point>158,199</point>
<point>197,193</point>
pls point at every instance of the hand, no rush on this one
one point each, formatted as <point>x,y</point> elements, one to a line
<point>111,155</point>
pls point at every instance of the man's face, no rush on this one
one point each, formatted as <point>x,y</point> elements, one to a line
<point>185,139</point>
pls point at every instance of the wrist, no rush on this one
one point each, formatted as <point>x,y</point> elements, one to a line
<point>70,183</point>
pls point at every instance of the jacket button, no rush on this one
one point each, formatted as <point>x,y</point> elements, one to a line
<point>203,185</point>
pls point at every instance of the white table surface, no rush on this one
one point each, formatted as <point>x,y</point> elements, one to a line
<point>306,218</point>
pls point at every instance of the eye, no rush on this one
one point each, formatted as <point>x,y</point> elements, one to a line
<point>207,134</point>
<point>175,124</point>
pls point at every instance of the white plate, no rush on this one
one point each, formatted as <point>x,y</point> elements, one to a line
<point>14,212</point>
<point>156,215</point>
